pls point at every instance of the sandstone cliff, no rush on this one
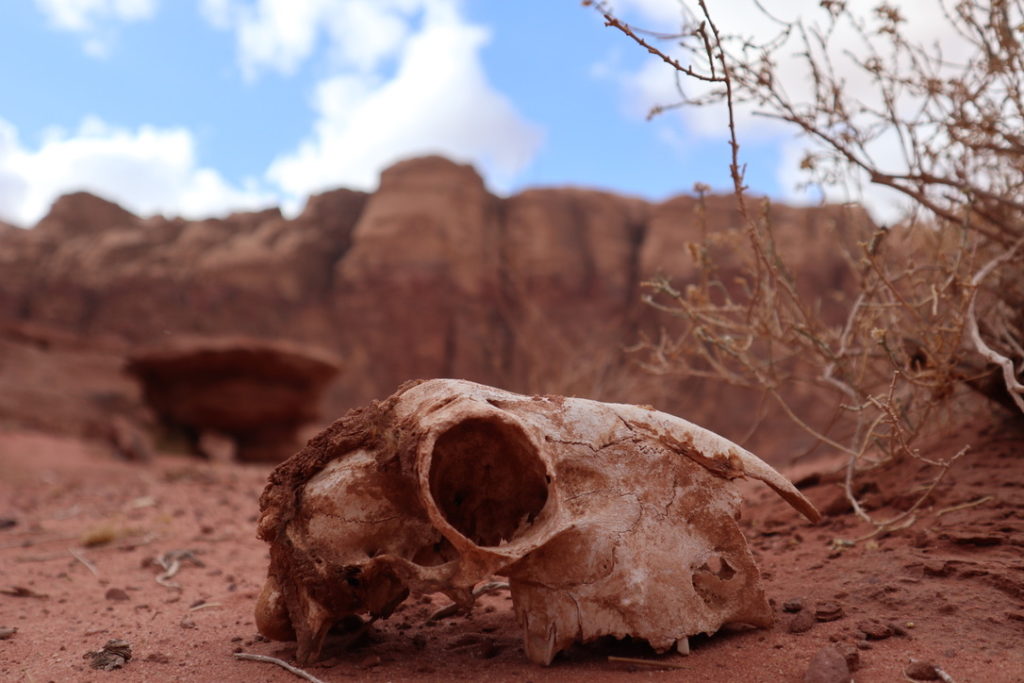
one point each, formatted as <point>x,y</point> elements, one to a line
<point>429,276</point>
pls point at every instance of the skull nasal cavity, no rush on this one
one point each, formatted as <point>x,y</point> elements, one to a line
<point>487,480</point>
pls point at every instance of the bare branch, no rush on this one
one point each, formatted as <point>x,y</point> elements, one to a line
<point>1013,386</point>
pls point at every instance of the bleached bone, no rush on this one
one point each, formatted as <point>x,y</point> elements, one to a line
<point>607,519</point>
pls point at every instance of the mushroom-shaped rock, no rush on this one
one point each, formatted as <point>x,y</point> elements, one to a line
<point>258,393</point>
<point>607,519</point>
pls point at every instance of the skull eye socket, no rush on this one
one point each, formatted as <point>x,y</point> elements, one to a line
<point>487,480</point>
<point>718,566</point>
<point>711,580</point>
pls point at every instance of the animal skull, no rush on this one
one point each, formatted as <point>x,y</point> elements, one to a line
<point>607,519</point>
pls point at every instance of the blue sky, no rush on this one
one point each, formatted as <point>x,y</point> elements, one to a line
<point>200,107</point>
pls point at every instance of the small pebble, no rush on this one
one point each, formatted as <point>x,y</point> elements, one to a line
<point>801,622</point>
<point>851,655</point>
<point>874,630</point>
<point>793,605</point>
<point>828,666</point>
<point>921,671</point>
<point>116,594</point>
<point>828,610</point>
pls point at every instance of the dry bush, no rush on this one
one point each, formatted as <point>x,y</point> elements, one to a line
<point>937,308</point>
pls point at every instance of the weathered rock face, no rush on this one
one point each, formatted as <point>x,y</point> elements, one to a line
<point>257,393</point>
<point>253,273</point>
<point>81,214</point>
<point>54,381</point>
<point>430,276</point>
<point>814,233</point>
<point>416,292</point>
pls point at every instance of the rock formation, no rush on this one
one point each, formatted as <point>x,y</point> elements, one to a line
<point>257,393</point>
<point>429,276</point>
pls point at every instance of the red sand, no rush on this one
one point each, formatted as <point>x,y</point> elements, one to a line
<point>949,590</point>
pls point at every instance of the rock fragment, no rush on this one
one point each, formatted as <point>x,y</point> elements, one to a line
<point>828,666</point>
<point>116,594</point>
<point>874,629</point>
<point>114,655</point>
<point>801,622</point>
<point>828,610</point>
<point>793,605</point>
<point>922,671</point>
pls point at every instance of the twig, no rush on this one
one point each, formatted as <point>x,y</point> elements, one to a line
<point>614,22</point>
<point>170,570</point>
<point>85,561</point>
<point>963,506</point>
<point>1014,388</point>
<point>647,662</point>
<point>281,663</point>
<point>171,563</point>
<point>806,427</point>
<point>205,605</point>
<point>851,466</point>
<point>908,517</point>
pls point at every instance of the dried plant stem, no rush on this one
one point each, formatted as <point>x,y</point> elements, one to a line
<point>809,429</point>
<point>281,663</point>
<point>171,564</point>
<point>205,605</point>
<point>905,519</point>
<point>85,561</point>
<point>1013,386</point>
<point>894,353</point>
<point>963,506</point>
<point>647,662</point>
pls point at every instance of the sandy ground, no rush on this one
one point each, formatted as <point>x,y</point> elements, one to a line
<point>163,555</point>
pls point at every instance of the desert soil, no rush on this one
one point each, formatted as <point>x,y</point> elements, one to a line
<point>163,555</point>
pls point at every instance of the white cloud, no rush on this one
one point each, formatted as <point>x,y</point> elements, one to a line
<point>95,19</point>
<point>147,170</point>
<point>280,35</point>
<point>439,101</point>
<point>653,82</point>
<point>218,13</point>
<point>84,15</point>
<point>404,77</point>
<point>664,13</point>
